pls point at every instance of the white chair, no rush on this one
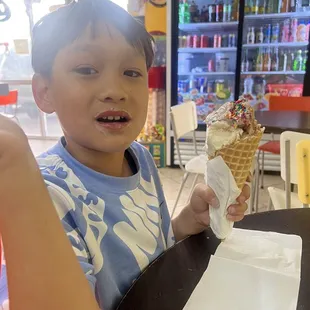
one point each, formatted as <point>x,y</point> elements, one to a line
<point>303,171</point>
<point>184,121</point>
<point>280,198</point>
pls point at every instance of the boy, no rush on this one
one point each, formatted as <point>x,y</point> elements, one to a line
<point>90,60</point>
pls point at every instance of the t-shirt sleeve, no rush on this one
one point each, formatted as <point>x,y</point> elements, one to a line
<point>164,212</point>
<point>66,207</point>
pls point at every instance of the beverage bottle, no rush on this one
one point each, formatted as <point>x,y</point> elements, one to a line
<point>212,13</point>
<point>284,6</point>
<point>298,61</point>
<point>219,12</point>
<point>302,31</point>
<point>203,14</point>
<point>290,60</point>
<point>285,35</point>
<point>181,12</point>
<point>261,7</point>
<point>283,61</point>
<point>294,27</point>
<point>259,61</point>
<point>259,36</point>
<point>235,10</point>
<point>192,12</point>
<point>305,59</point>
<point>304,5</point>
<point>248,85</point>
<point>186,12</point>
<point>275,33</point>
<point>255,7</point>
<point>229,12</point>
<point>292,6</point>
<point>267,33</point>
<point>275,60</point>
<point>247,8</point>
<point>267,61</point>
<point>277,6</point>
<point>251,36</point>
<point>244,60</point>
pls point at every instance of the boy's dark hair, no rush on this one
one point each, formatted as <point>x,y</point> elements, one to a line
<point>61,27</point>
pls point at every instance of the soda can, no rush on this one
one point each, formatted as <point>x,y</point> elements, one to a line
<point>232,40</point>
<point>210,87</point>
<point>189,41</point>
<point>204,41</point>
<point>192,84</point>
<point>211,67</point>
<point>267,33</point>
<point>215,38</point>
<point>225,40</point>
<point>196,41</point>
<point>180,86</point>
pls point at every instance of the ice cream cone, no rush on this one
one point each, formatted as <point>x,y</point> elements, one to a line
<point>239,156</point>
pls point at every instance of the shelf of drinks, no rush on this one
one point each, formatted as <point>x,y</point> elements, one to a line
<point>206,73</point>
<point>208,26</point>
<point>273,72</point>
<point>206,49</point>
<point>284,44</point>
<point>279,15</point>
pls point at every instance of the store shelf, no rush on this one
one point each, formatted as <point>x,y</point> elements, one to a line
<point>279,15</point>
<point>206,50</point>
<point>272,72</point>
<point>208,26</point>
<point>207,73</point>
<point>286,44</point>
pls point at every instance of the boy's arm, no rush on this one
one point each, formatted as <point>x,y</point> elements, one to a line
<point>43,272</point>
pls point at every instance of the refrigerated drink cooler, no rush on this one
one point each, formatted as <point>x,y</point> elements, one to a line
<point>221,50</point>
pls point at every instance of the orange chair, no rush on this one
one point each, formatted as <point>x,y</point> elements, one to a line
<point>278,103</point>
<point>9,100</point>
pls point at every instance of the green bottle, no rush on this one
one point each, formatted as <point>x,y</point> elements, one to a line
<point>187,16</point>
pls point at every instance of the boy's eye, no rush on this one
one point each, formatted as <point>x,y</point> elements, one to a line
<point>132,73</point>
<point>86,71</point>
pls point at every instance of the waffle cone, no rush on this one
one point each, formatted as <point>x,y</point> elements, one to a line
<point>239,156</point>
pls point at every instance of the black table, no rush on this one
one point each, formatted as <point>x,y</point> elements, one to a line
<point>279,121</point>
<point>169,281</point>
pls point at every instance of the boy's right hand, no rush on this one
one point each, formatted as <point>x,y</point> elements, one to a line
<point>12,138</point>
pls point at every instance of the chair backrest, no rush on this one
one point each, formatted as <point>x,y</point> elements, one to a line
<point>9,99</point>
<point>288,143</point>
<point>278,103</point>
<point>303,171</point>
<point>184,118</point>
<point>183,121</point>
<point>289,159</point>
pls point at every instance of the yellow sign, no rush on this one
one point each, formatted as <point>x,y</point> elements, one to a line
<point>155,16</point>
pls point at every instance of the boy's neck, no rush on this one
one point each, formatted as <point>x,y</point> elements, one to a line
<point>112,164</point>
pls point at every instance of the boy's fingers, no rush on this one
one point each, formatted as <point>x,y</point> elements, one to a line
<point>236,210</point>
<point>206,194</point>
<point>245,194</point>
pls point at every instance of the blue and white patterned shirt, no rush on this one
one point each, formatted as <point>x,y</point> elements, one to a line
<point>117,226</point>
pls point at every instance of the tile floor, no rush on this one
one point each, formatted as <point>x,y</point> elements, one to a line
<point>172,178</point>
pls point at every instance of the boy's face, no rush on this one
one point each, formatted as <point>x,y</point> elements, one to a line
<point>99,91</point>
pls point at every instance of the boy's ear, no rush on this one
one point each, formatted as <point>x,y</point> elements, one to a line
<point>40,90</point>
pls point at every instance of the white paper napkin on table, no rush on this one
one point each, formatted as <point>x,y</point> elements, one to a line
<point>219,177</point>
<point>251,270</point>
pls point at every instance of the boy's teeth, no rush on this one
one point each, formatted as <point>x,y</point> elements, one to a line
<point>110,118</point>
<point>117,118</point>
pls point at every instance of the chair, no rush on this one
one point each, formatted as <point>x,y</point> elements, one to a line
<point>278,103</point>
<point>303,171</point>
<point>10,100</point>
<point>288,143</point>
<point>184,121</point>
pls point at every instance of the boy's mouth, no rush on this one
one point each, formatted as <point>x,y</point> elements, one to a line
<point>113,119</point>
